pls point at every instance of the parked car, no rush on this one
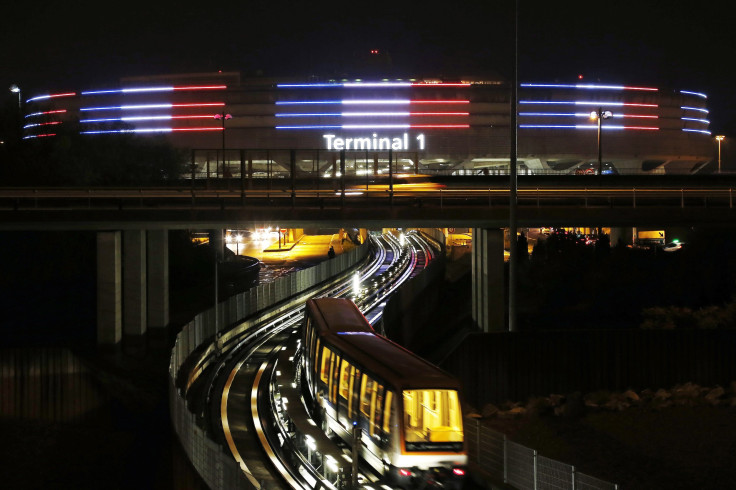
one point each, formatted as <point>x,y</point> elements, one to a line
<point>673,246</point>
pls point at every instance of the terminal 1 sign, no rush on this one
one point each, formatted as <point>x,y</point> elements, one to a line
<point>374,142</point>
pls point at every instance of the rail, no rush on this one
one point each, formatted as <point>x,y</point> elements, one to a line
<point>214,464</point>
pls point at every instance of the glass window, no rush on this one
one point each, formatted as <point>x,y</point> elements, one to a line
<point>432,416</point>
<point>316,364</point>
<point>387,413</point>
<point>366,394</point>
<point>345,370</point>
<point>376,405</point>
<point>325,370</point>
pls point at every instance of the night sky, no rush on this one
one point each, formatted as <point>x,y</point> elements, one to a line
<point>48,46</point>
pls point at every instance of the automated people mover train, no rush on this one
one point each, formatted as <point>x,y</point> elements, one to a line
<point>408,410</point>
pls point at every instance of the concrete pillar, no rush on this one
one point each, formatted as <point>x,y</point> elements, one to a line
<point>109,288</point>
<point>134,282</point>
<point>157,242</point>
<point>489,305</point>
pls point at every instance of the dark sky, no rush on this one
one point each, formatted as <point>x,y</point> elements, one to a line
<point>75,45</point>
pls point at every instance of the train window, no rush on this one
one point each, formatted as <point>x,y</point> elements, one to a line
<point>387,413</point>
<point>316,353</point>
<point>366,394</point>
<point>432,416</point>
<point>354,393</point>
<point>376,405</point>
<point>334,377</point>
<point>345,371</point>
<point>325,370</point>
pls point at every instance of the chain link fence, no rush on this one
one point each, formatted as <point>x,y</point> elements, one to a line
<point>521,467</point>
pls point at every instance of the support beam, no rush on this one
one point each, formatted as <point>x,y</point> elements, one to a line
<point>157,244</point>
<point>109,288</point>
<point>135,320</point>
<point>488,280</point>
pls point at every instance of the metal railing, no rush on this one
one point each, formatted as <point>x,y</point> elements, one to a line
<point>216,326</point>
<point>520,466</point>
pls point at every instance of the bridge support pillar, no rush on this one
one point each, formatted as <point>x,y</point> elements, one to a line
<point>489,305</point>
<point>109,288</point>
<point>157,251</point>
<point>134,282</point>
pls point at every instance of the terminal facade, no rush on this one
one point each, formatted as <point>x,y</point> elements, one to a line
<point>459,126</point>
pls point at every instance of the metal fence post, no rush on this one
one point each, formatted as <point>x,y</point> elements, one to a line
<point>505,461</point>
<point>535,469</point>
<point>572,476</point>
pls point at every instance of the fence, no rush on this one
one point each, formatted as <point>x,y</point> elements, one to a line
<point>216,466</point>
<point>521,467</point>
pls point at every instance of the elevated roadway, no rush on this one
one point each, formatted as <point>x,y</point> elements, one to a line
<point>462,202</point>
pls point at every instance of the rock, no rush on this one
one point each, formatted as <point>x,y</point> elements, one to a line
<point>688,390</point>
<point>517,411</point>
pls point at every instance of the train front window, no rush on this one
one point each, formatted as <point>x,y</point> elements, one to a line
<point>432,420</point>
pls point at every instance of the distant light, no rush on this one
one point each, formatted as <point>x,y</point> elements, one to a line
<point>703,131</point>
<point>45,112</point>
<point>699,94</point>
<point>699,109</point>
<point>51,96</point>
<point>578,102</point>
<point>588,86</point>
<point>151,106</point>
<point>580,77</point>
<point>704,121</point>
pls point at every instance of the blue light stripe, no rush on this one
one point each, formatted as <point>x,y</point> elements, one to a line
<point>704,131</point>
<point>699,94</point>
<point>694,109</point>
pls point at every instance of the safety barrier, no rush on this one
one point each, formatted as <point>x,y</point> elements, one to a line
<point>216,466</point>
<point>521,467</point>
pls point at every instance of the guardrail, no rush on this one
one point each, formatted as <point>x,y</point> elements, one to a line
<point>217,467</point>
<point>520,466</point>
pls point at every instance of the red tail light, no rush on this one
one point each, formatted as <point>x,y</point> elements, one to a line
<point>459,471</point>
<point>404,472</point>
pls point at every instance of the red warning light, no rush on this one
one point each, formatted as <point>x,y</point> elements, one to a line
<point>580,77</point>
<point>374,51</point>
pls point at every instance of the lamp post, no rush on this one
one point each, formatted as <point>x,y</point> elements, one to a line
<point>16,90</point>
<point>719,138</point>
<point>600,114</point>
<point>223,117</point>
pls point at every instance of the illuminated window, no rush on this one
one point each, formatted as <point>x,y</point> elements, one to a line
<point>325,370</point>
<point>376,403</point>
<point>387,413</point>
<point>432,416</point>
<point>345,371</point>
<point>367,389</point>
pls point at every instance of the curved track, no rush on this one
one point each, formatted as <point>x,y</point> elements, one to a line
<point>229,387</point>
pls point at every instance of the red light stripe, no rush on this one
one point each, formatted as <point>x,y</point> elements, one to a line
<point>638,105</point>
<point>439,113</point>
<point>440,85</point>
<point>208,116</point>
<point>204,104</point>
<point>439,126</point>
<point>201,87</point>
<point>641,127</point>
<point>641,88</point>
<point>68,94</point>
<point>198,129</point>
<point>439,102</point>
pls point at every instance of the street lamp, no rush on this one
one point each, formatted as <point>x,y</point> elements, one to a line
<point>719,138</point>
<point>223,117</point>
<point>600,114</point>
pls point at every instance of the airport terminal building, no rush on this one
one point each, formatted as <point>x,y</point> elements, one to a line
<point>459,126</point>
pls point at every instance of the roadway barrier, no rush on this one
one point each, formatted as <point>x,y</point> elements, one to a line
<point>224,322</point>
<point>491,453</point>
